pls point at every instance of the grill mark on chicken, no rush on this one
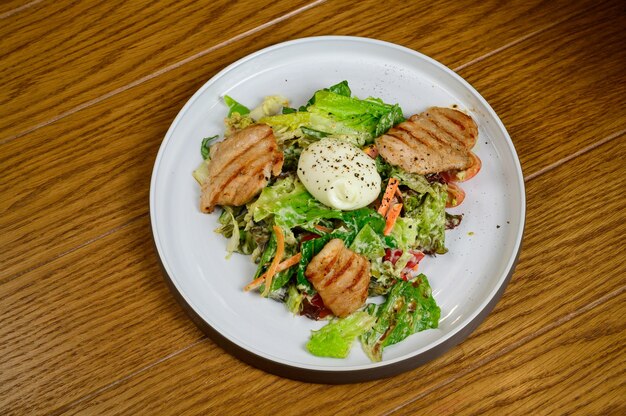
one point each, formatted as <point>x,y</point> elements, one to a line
<point>403,142</point>
<point>332,263</point>
<point>242,177</point>
<point>448,133</point>
<point>455,121</point>
<point>437,140</point>
<point>340,276</point>
<point>407,140</point>
<point>433,131</point>
<point>349,283</point>
<point>248,154</point>
<point>356,281</point>
<point>452,135</point>
<point>460,120</point>
<point>239,170</point>
<point>332,278</point>
<point>240,167</point>
<point>242,151</point>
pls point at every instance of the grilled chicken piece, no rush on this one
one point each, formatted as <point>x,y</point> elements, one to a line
<point>437,140</point>
<point>340,276</point>
<point>240,167</point>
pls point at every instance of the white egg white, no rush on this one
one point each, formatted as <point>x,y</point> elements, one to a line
<point>339,174</point>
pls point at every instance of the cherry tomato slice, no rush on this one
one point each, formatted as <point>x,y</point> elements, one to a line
<point>392,255</point>
<point>371,150</point>
<point>464,175</point>
<point>456,195</point>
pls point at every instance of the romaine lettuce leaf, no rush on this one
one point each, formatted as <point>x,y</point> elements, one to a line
<point>336,338</point>
<point>369,116</point>
<point>405,231</point>
<point>409,308</point>
<point>291,204</point>
<point>333,112</point>
<point>431,215</point>
<point>235,107</point>
<point>424,222</point>
<point>368,243</point>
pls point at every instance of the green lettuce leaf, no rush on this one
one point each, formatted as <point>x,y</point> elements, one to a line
<point>235,107</point>
<point>290,204</point>
<point>423,224</point>
<point>205,147</point>
<point>409,308</point>
<point>370,116</point>
<point>341,88</point>
<point>336,338</point>
<point>333,112</point>
<point>405,231</point>
<point>368,243</point>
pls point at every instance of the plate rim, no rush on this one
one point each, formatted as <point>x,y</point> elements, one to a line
<point>337,375</point>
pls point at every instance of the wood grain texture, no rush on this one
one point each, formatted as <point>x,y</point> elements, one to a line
<point>546,291</point>
<point>577,368</point>
<point>68,53</point>
<point>86,319</point>
<point>9,8</point>
<point>122,134</point>
<point>561,90</point>
<point>65,62</point>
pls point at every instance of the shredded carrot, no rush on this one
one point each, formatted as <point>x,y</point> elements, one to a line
<point>291,261</point>
<point>371,151</point>
<point>388,195</point>
<point>280,251</point>
<point>392,216</point>
<point>322,228</point>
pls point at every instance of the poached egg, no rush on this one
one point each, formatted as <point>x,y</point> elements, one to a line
<point>339,174</point>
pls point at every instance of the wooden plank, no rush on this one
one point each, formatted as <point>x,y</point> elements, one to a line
<point>541,86</point>
<point>560,274</point>
<point>578,368</point>
<point>10,8</point>
<point>68,53</point>
<point>70,173</point>
<point>84,320</point>
<point>68,62</point>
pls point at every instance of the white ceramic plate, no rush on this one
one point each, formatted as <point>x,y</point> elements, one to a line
<point>466,282</point>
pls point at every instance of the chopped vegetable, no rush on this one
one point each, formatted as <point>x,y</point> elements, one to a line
<point>368,243</point>
<point>280,250</point>
<point>291,261</point>
<point>371,150</point>
<point>270,106</point>
<point>392,217</point>
<point>336,338</point>
<point>455,196</point>
<point>390,191</point>
<point>409,308</point>
<point>202,172</point>
<point>205,148</point>
<point>235,107</point>
<point>463,175</point>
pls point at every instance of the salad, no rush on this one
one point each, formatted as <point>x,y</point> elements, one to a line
<point>333,216</point>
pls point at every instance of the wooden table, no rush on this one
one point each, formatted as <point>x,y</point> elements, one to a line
<point>89,89</point>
